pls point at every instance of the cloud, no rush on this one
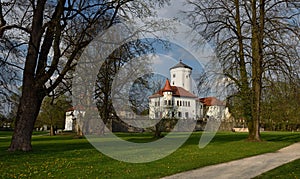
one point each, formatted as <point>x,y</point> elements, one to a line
<point>155,60</point>
<point>174,10</point>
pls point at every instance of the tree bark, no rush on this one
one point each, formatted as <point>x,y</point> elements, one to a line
<point>257,69</point>
<point>52,133</point>
<point>244,84</point>
<point>28,110</point>
<point>32,93</point>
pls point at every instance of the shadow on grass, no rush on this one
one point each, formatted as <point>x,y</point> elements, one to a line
<point>64,143</point>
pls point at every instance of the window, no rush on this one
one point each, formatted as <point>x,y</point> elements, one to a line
<point>174,75</point>
<point>180,103</point>
<point>177,103</point>
<point>158,103</point>
<point>173,114</point>
<point>179,114</point>
<point>173,83</point>
<point>169,102</point>
<point>186,115</point>
<point>156,115</point>
<point>189,104</point>
<point>165,102</point>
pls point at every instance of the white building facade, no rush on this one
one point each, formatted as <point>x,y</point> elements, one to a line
<point>176,100</point>
<point>181,76</point>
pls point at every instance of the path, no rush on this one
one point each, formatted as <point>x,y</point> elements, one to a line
<point>244,168</point>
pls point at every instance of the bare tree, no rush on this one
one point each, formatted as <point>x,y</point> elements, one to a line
<point>54,34</point>
<point>251,43</point>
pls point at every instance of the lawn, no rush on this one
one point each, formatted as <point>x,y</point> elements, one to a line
<point>290,170</point>
<point>64,156</point>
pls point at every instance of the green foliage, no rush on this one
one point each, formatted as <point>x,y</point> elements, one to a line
<point>280,107</point>
<point>52,112</point>
<point>62,156</point>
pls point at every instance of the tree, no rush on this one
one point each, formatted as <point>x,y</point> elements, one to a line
<point>52,112</point>
<point>53,36</point>
<point>108,93</point>
<point>250,40</point>
<point>279,96</point>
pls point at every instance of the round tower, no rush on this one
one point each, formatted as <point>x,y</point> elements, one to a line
<point>181,76</point>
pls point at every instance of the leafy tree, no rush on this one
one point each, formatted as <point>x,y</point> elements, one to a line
<point>52,112</point>
<point>280,106</point>
<point>250,40</point>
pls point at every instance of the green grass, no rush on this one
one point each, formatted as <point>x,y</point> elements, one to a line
<point>288,171</point>
<point>7,134</point>
<point>62,156</point>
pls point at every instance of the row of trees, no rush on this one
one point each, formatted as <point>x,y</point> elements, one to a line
<point>257,42</point>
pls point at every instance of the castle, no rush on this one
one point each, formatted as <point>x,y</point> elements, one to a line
<point>176,98</point>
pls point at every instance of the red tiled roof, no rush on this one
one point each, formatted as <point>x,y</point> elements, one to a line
<point>211,101</point>
<point>177,92</point>
<point>167,86</point>
<point>70,109</point>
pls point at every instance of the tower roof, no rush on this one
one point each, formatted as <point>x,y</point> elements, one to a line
<point>167,86</point>
<point>176,91</point>
<point>181,65</point>
<point>212,101</point>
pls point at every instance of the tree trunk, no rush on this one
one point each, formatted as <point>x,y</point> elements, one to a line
<point>51,130</point>
<point>257,58</point>
<point>158,129</point>
<point>245,90</point>
<point>32,93</point>
<point>157,133</point>
<point>28,110</point>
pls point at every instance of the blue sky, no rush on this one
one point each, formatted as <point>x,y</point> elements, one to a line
<point>166,57</point>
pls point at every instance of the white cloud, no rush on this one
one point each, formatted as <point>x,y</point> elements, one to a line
<point>174,10</point>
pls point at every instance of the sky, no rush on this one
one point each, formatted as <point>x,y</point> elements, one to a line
<point>182,47</point>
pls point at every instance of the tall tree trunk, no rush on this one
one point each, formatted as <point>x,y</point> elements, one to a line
<point>32,93</point>
<point>28,110</point>
<point>244,84</point>
<point>257,69</point>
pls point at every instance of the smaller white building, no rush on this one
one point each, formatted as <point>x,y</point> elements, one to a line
<point>216,109</point>
<point>71,119</point>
